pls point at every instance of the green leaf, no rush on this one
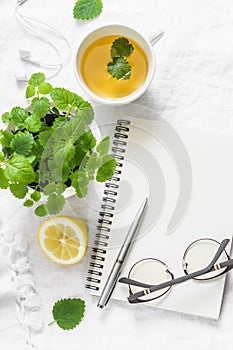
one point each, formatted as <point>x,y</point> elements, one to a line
<point>62,150</point>
<point>19,115</point>
<point>2,156</point>
<point>6,138</point>
<point>54,188</point>
<point>68,312</point>
<point>55,203</point>
<point>6,118</point>
<point>92,164</point>
<point>22,143</point>
<point>80,181</point>
<point>73,129</point>
<point>49,189</point>
<point>41,210</point>
<point>87,141</point>
<point>19,190</point>
<point>3,181</point>
<point>28,203</point>
<point>18,169</point>
<point>85,111</point>
<point>33,123</point>
<point>87,9</point>
<point>55,168</point>
<point>59,122</point>
<point>103,146</point>
<point>40,106</point>
<point>55,111</point>
<point>121,48</point>
<point>36,79</point>
<point>119,68</point>
<point>79,155</point>
<point>37,150</point>
<point>106,171</point>
<point>31,158</point>
<point>30,91</point>
<point>44,137</point>
<point>36,196</point>
<point>45,88</point>
<point>60,98</point>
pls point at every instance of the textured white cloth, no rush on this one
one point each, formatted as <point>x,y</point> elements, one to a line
<point>192,86</point>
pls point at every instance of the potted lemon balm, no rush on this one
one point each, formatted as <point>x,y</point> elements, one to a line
<point>49,147</point>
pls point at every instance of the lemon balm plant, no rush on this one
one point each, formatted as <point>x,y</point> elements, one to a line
<point>49,146</point>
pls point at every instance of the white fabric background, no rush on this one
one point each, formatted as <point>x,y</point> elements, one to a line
<point>192,86</point>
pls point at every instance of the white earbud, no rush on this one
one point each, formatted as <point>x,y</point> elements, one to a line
<point>25,55</point>
<point>26,23</point>
<point>21,75</point>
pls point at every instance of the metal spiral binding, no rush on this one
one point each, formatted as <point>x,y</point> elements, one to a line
<point>106,214</point>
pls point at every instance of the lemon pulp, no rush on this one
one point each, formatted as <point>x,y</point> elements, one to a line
<point>63,239</point>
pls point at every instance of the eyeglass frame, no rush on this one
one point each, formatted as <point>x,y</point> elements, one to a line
<point>150,288</point>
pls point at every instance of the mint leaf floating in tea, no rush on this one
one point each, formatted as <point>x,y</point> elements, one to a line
<point>119,67</point>
<point>68,313</point>
<point>121,48</point>
<point>87,9</point>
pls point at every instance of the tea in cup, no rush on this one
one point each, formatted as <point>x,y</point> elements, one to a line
<point>94,54</point>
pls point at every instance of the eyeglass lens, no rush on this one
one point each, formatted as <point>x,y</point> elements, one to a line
<point>151,271</point>
<point>199,254</point>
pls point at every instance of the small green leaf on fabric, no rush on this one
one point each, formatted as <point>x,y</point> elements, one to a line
<point>119,68</point>
<point>87,9</point>
<point>68,312</point>
<point>121,48</point>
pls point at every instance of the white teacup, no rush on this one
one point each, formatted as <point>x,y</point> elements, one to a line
<point>121,30</point>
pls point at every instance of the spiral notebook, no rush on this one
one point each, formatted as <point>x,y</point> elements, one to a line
<point>187,175</point>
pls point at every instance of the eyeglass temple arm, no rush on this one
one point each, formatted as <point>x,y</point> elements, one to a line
<point>126,280</point>
<point>218,253</point>
<point>153,288</point>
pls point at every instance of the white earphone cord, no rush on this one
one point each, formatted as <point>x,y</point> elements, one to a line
<point>24,21</point>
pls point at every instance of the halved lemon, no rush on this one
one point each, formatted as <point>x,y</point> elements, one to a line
<point>63,239</point>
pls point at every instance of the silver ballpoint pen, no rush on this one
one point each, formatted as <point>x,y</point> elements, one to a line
<point>116,269</point>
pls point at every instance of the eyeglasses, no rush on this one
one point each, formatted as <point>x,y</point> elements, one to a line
<point>204,259</point>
